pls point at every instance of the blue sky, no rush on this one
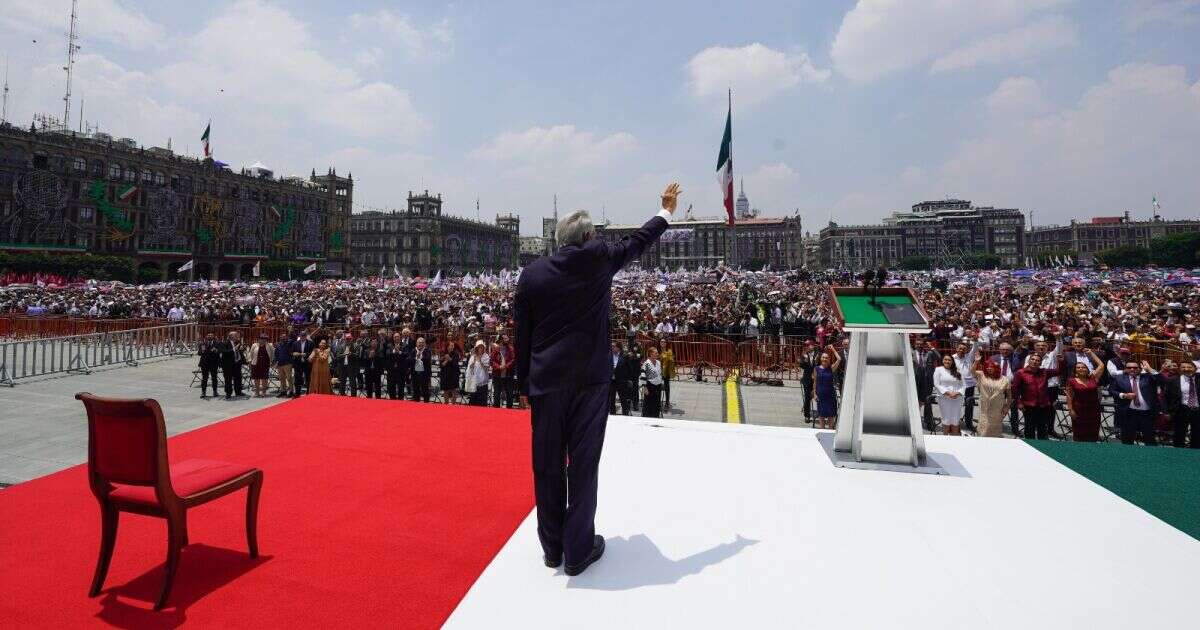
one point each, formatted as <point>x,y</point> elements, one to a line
<point>849,110</point>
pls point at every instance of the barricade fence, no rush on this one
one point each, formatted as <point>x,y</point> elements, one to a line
<point>761,357</point>
<point>81,353</point>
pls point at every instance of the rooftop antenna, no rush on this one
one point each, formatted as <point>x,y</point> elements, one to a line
<point>477,209</point>
<point>4,113</point>
<point>80,113</point>
<point>72,47</point>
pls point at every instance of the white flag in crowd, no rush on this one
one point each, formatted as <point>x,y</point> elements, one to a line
<point>185,266</point>
<point>311,268</point>
<point>257,269</point>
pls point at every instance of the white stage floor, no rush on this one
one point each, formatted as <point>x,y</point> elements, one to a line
<point>734,526</point>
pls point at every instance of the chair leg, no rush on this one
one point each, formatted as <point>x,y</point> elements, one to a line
<point>175,537</point>
<point>109,519</point>
<point>252,514</point>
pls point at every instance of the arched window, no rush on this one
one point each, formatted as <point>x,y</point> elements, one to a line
<point>159,178</point>
<point>114,171</point>
<point>147,176</point>
<point>80,165</point>
<point>130,174</point>
<point>97,168</point>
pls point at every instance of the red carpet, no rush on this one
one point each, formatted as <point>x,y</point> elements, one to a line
<point>373,514</point>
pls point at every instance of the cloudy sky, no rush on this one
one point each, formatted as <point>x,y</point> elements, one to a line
<point>842,109</point>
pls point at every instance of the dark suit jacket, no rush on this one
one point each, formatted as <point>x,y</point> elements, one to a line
<point>1173,392</point>
<point>426,358</point>
<point>1016,361</point>
<point>1148,385</point>
<point>562,312</point>
<point>305,348</point>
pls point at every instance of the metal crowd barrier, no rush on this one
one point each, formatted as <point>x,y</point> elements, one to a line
<point>82,353</point>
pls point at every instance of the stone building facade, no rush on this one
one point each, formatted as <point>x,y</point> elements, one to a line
<point>90,193</point>
<point>420,241</point>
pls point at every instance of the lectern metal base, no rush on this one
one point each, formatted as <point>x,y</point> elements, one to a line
<point>846,460</point>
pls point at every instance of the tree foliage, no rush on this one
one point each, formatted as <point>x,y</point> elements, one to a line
<point>1125,256</point>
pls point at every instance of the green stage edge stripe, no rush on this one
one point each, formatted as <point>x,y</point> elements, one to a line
<point>1163,481</point>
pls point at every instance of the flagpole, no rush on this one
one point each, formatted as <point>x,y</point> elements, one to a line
<point>733,222</point>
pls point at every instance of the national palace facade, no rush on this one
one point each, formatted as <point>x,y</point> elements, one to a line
<point>90,193</point>
<point>420,241</point>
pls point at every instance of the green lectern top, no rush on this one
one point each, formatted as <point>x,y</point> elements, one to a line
<point>895,308</point>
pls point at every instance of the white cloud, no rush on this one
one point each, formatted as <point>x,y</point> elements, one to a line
<point>755,72</point>
<point>560,144</point>
<point>882,37</point>
<point>261,57</point>
<point>1131,136</point>
<point>1016,95</point>
<point>1038,37</point>
<point>414,41</point>
<point>107,20</point>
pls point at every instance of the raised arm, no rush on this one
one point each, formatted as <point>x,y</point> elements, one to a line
<point>630,248</point>
<point>1099,371</point>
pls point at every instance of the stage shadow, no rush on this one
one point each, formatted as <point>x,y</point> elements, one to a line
<point>634,562</point>
<point>202,570</point>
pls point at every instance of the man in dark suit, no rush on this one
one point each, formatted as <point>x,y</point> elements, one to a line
<point>926,361</point>
<point>233,355</point>
<point>809,360</point>
<point>210,361</point>
<point>626,376</point>
<point>562,311</point>
<point>301,348</point>
<point>1135,399</point>
<point>1183,403</point>
<point>422,370</point>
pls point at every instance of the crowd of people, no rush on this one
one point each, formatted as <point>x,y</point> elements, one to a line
<point>1005,345</point>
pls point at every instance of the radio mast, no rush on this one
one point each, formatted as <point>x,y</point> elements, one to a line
<point>4,113</point>
<point>72,37</point>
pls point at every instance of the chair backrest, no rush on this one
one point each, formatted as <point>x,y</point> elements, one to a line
<point>127,440</point>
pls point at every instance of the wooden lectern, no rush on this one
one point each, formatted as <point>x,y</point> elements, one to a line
<point>879,423</point>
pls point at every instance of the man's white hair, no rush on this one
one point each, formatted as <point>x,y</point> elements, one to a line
<point>574,228</point>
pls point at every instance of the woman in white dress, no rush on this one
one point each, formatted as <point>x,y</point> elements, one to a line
<point>948,383</point>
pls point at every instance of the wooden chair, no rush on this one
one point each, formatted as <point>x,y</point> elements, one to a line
<point>128,472</point>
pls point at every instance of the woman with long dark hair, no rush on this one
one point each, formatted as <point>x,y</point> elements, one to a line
<point>948,383</point>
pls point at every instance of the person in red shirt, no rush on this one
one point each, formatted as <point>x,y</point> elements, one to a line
<point>1033,397</point>
<point>503,355</point>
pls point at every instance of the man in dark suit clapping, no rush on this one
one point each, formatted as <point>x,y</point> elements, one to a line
<point>1135,399</point>
<point>1183,403</point>
<point>562,311</point>
<point>301,348</point>
<point>210,361</point>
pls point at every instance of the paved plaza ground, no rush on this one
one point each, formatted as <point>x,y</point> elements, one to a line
<point>43,429</point>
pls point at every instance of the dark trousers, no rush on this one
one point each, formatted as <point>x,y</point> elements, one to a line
<point>479,397</point>
<point>300,376</point>
<point>1183,419</point>
<point>502,391</point>
<point>612,398</point>
<point>395,384</point>
<point>625,394</point>
<point>1132,422</point>
<point>969,410</point>
<point>374,383</point>
<point>1013,419</point>
<point>420,386</point>
<point>207,373</point>
<point>233,379</point>
<point>808,397</point>
<point>568,426</point>
<point>1037,422</point>
<point>355,377</point>
<point>666,393</point>
<point>652,403</point>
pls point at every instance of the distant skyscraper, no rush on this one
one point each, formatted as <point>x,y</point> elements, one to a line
<point>743,205</point>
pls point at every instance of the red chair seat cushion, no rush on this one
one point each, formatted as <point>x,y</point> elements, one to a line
<point>191,476</point>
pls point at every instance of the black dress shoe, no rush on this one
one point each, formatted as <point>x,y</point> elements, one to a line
<point>597,552</point>
<point>552,561</point>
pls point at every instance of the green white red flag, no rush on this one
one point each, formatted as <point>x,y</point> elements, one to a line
<point>725,163</point>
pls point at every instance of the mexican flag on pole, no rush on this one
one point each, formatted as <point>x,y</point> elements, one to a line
<point>725,163</point>
<point>127,194</point>
<point>204,139</point>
